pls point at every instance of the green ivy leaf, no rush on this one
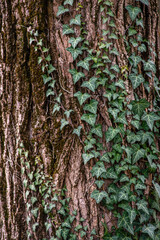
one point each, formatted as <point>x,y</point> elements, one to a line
<point>135,123</point>
<point>115,67</point>
<point>74,41</point>
<point>62,10</point>
<point>97,129</point>
<point>142,48</point>
<point>35,212</point>
<point>105,158</point>
<point>111,133</point>
<point>122,195</point>
<point>98,169</point>
<point>46,79</point>
<point>99,183</point>
<point>144,1</point>
<point>133,11</point>
<point>76,21</point>
<point>98,196</point>
<point>89,118</point>
<point>114,51</point>
<point>77,131</point>
<point>132,215</point>
<point>67,113</point>
<point>111,173</point>
<point>135,59</point>
<point>138,153</point>
<point>149,229</point>
<point>113,36</point>
<point>87,157</point>
<point>122,118</point>
<point>49,92</point>
<point>142,205</point>
<point>75,52</point>
<point>34,226</point>
<point>124,222</point>
<point>150,119</point>
<point>63,123</point>
<point>157,187</point>
<point>149,66</point>
<point>138,107</point>
<point>56,108</point>
<point>84,64</point>
<point>91,107</point>
<point>139,22</point>
<point>133,42</point>
<point>91,84</point>
<point>81,97</point>
<point>76,75</point>
<point>114,112</point>
<point>65,233</point>
<point>131,32</point>
<point>136,80</point>
<point>69,2</point>
<point>67,29</point>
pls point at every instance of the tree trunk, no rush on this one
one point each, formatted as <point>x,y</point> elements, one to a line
<point>26,113</point>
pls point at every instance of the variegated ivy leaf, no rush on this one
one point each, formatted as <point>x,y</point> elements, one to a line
<point>122,118</point>
<point>89,118</point>
<point>75,52</point>
<point>49,92</point>
<point>98,196</point>
<point>142,205</point>
<point>46,79</point>
<point>67,29</point>
<point>138,107</point>
<point>76,21</point>
<point>142,48</point>
<point>84,64</point>
<point>87,157</point>
<point>131,32</point>
<point>105,158</point>
<point>149,229</point>
<point>97,130</point>
<point>69,2</point>
<point>99,183</point>
<point>62,10</point>
<point>111,133</point>
<point>91,107</point>
<point>98,170</point>
<point>135,123</point>
<point>135,60</point>
<point>150,119</point>
<point>67,113</point>
<point>120,84</point>
<point>114,112</point>
<point>76,75</point>
<point>56,108</point>
<point>132,138</point>
<point>122,195</point>
<point>136,80</point>
<point>115,67</point>
<point>63,123</point>
<point>133,42</point>
<point>149,66</point>
<point>81,97</point>
<point>111,173</point>
<point>91,84</point>
<point>74,41</point>
<point>77,131</point>
<point>144,1</point>
<point>133,11</point>
<point>139,22</point>
<point>124,178</point>
<point>124,222</point>
<point>132,215</point>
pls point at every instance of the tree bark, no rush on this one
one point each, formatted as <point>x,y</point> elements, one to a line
<point>26,113</point>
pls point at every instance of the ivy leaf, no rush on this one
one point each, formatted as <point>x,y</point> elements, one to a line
<point>122,118</point>
<point>114,51</point>
<point>144,1</point>
<point>114,112</point>
<point>132,215</point>
<point>142,48</point>
<point>149,229</point>
<point>135,123</point>
<point>77,131</point>
<point>111,173</point>
<point>124,222</point>
<point>122,195</point>
<point>56,108</point>
<point>49,92</point>
<point>62,10</point>
<point>98,196</point>
<point>133,42</point>
<point>149,66</point>
<point>91,107</point>
<point>133,11</point>
<point>51,69</point>
<point>46,79</point>
<point>135,59</point>
<point>81,97</point>
<point>76,75</point>
<point>131,32</point>
<point>157,187</point>
<point>69,2</point>
<point>138,107</point>
<point>74,41</point>
<point>105,158</point>
<point>76,21</point>
<point>150,118</point>
<point>35,212</point>
<point>99,183</point>
<point>138,153</point>
<point>120,84</point>
<point>83,63</point>
<point>142,205</point>
<point>65,233</point>
<point>91,84</point>
<point>97,130</point>
<point>67,29</point>
<point>89,118</point>
<point>67,113</point>
<point>115,67</point>
<point>87,157</point>
<point>75,52</point>
<point>113,36</point>
<point>139,22</point>
<point>98,170</point>
<point>63,123</point>
<point>136,80</point>
<point>111,133</point>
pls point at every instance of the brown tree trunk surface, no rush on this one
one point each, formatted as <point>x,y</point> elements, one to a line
<point>26,114</point>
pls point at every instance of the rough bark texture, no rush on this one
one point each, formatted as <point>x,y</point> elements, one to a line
<point>25,113</point>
